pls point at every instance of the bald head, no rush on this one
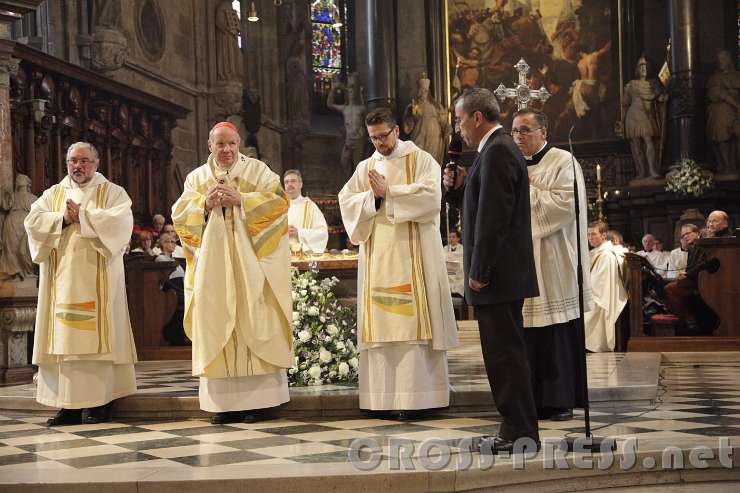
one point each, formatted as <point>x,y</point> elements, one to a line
<point>648,242</point>
<point>716,222</point>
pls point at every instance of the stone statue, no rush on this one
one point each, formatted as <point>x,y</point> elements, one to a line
<point>108,13</point>
<point>109,44</point>
<point>642,122</point>
<point>228,56</point>
<point>353,111</point>
<point>425,121</point>
<point>723,113</point>
<point>15,259</point>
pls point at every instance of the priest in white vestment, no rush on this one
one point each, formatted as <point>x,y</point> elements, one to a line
<point>658,259</point>
<point>232,221</point>
<point>680,256</point>
<point>454,257</point>
<point>405,320</point>
<point>609,293</point>
<point>550,330</point>
<point>306,222</point>
<point>77,232</point>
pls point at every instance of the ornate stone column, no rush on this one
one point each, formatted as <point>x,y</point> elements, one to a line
<point>381,55</point>
<point>684,66</point>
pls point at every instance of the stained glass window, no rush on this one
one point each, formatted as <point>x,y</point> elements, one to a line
<point>326,27</point>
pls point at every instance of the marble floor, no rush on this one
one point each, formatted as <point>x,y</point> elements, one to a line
<point>697,403</point>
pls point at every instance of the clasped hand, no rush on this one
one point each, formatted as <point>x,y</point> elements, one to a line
<point>223,195</point>
<point>447,178</point>
<point>378,183</point>
<point>71,212</point>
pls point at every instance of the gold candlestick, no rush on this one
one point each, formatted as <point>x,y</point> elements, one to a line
<point>599,196</point>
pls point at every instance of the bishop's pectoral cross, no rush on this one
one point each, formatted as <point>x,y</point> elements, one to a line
<point>522,92</point>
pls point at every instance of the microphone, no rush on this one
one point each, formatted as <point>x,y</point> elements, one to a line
<point>453,154</point>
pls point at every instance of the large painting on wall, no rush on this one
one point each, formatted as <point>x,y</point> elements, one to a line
<point>570,45</point>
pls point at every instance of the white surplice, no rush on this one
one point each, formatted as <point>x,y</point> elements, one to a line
<point>610,297</point>
<point>305,215</point>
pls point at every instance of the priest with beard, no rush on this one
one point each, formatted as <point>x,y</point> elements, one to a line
<point>550,318</point>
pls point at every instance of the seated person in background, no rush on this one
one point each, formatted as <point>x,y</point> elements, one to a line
<point>617,241</point>
<point>170,228</point>
<point>173,332</point>
<point>142,244</point>
<point>608,290</point>
<point>157,225</point>
<point>306,223</point>
<point>169,243</point>
<point>680,255</point>
<point>718,225</point>
<point>454,258</point>
<point>658,259</point>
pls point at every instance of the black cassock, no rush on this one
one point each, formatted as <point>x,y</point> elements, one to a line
<point>557,378</point>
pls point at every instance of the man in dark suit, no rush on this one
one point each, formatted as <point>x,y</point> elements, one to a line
<point>498,260</point>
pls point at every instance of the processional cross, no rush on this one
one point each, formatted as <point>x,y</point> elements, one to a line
<point>522,92</point>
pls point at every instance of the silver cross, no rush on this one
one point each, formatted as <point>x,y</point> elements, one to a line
<point>522,93</point>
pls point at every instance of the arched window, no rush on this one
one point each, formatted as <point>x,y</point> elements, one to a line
<point>328,42</point>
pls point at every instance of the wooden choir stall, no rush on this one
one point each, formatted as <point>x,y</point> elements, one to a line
<point>720,290</point>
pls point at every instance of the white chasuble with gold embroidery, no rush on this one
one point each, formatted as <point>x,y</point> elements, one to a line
<point>82,311</point>
<point>405,320</point>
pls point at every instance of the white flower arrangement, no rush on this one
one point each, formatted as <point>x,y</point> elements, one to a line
<point>689,179</point>
<point>323,333</point>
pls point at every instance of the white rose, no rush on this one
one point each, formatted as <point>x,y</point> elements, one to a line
<point>304,336</point>
<point>354,362</point>
<point>294,295</point>
<point>296,316</point>
<point>332,329</point>
<point>340,345</point>
<point>324,355</point>
<point>315,372</point>
<point>343,369</point>
<point>313,311</point>
<point>304,292</point>
<point>322,319</point>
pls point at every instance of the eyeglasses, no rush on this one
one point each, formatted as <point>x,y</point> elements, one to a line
<point>524,131</point>
<point>84,161</point>
<point>381,137</point>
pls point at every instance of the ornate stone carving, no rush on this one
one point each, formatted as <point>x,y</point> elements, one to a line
<point>16,322</point>
<point>353,110</point>
<point>150,29</point>
<point>108,50</point>
<point>8,67</point>
<point>228,55</point>
<point>723,113</point>
<point>227,95</point>
<point>15,258</point>
<point>425,121</point>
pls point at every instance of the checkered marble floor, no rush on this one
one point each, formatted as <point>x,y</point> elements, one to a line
<point>696,405</point>
<point>466,370</point>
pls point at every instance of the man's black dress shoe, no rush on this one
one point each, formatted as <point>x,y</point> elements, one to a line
<point>497,445</point>
<point>66,417</point>
<point>227,417</point>
<point>95,415</point>
<point>562,415</point>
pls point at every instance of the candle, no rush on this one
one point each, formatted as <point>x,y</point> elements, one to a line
<point>598,173</point>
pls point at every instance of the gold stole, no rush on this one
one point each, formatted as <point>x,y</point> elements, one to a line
<point>394,289</point>
<point>307,214</point>
<point>78,276</point>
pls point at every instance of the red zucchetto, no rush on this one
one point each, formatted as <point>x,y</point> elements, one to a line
<point>225,124</point>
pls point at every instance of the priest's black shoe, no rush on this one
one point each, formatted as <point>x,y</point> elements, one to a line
<point>66,417</point>
<point>95,415</point>
<point>227,417</point>
<point>413,414</point>
<point>496,445</point>
<point>562,415</point>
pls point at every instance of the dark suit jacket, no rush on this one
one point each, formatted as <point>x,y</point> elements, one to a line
<point>497,233</point>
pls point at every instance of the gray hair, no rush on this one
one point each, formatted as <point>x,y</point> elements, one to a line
<point>539,116</point>
<point>212,132</point>
<point>480,99</point>
<point>693,227</point>
<point>293,172</point>
<point>77,145</point>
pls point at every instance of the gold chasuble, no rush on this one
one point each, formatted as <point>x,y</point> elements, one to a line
<point>237,282</point>
<point>405,319</point>
<point>82,315</point>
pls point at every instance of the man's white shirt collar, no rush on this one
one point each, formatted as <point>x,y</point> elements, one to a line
<point>485,137</point>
